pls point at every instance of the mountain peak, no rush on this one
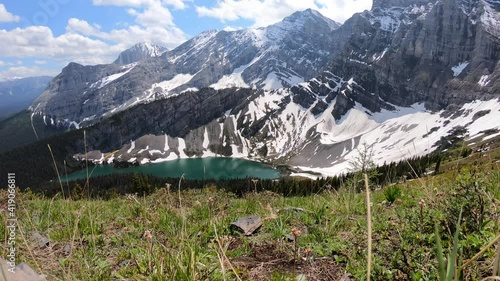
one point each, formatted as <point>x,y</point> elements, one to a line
<point>300,17</point>
<point>140,51</point>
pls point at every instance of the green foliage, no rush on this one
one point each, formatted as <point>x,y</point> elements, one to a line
<point>392,193</point>
<point>77,192</point>
<point>469,195</point>
<point>141,185</point>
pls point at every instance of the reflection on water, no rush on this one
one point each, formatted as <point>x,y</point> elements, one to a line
<point>197,168</point>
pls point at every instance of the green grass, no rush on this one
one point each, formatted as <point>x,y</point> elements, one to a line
<point>153,238</point>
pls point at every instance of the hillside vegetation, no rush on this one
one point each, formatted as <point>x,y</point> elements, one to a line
<point>174,234</point>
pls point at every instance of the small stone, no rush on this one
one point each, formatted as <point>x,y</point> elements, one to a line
<point>67,249</point>
<point>248,225</point>
<point>346,277</point>
<point>39,239</point>
<point>289,237</point>
<point>125,263</point>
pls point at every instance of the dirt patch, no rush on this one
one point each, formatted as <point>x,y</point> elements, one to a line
<point>267,260</point>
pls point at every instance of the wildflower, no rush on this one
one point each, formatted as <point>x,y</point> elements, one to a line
<point>308,252</point>
<point>296,232</point>
<point>422,203</point>
<point>147,235</point>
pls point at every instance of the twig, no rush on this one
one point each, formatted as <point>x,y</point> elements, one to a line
<point>224,254</point>
<point>484,249</point>
<point>57,170</point>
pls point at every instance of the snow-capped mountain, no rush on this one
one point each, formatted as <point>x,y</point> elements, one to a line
<point>18,94</point>
<point>281,55</point>
<point>139,52</point>
<point>409,74</point>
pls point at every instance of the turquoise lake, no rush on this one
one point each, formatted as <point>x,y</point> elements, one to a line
<point>197,168</point>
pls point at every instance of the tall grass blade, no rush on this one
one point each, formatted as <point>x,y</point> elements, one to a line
<point>57,170</point>
<point>369,221</point>
<point>439,254</point>
<point>452,261</point>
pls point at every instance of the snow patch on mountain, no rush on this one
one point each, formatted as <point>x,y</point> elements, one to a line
<point>408,135</point>
<point>106,80</point>
<point>491,18</point>
<point>484,81</point>
<point>167,86</point>
<point>232,80</point>
<point>457,69</point>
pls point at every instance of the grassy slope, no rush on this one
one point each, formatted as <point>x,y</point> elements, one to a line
<point>190,238</point>
<point>186,236</point>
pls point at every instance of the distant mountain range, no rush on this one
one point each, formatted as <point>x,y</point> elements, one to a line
<point>18,94</point>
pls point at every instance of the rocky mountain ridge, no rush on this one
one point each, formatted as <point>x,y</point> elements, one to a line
<point>281,55</point>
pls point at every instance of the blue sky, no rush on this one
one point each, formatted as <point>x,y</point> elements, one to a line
<point>42,37</point>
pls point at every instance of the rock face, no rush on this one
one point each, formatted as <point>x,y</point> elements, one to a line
<point>18,94</point>
<point>140,52</point>
<point>281,55</point>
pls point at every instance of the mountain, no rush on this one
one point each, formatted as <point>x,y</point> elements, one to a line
<point>407,77</point>
<point>281,55</point>
<point>18,94</point>
<point>139,52</point>
<point>411,76</point>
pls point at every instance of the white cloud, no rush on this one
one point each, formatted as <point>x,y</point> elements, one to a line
<point>341,10</point>
<point>266,12</point>
<point>154,21</point>
<point>231,28</point>
<point>86,43</point>
<point>40,62</point>
<point>6,16</point>
<point>39,42</point>
<point>2,63</point>
<point>177,4</point>
<point>153,15</point>
<point>23,71</point>
<point>168,36</point>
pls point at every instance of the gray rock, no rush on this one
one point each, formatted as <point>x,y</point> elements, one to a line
<point>21,272</point>
<point>39,239</point>
<point>248,225</point>
<point>67,249</point>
